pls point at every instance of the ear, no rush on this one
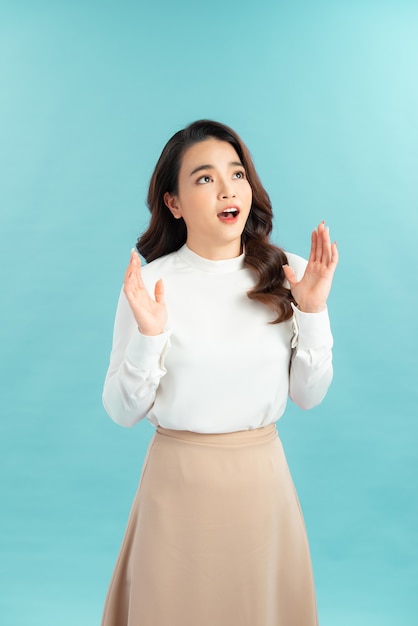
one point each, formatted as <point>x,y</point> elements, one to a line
<point>171,202</point>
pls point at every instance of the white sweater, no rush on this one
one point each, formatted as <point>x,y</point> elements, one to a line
<point>219,366</point>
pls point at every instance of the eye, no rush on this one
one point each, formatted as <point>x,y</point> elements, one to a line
<point>203,180</point>
<point>239,174</point>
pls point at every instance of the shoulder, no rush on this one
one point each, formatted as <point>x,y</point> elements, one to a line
<point>297,263</point>
<point>162,264</point>
<point>157,264</point>
<point>162,267</point>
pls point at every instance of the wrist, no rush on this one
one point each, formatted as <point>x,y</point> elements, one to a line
<point>148,333</point>
<point>307,308</point>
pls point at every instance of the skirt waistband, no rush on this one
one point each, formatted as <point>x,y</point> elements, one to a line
<point>238,438</point>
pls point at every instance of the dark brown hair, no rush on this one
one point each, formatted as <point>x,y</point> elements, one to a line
<point>166,234</point>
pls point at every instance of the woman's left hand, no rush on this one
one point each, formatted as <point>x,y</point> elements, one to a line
<point>312,291</point>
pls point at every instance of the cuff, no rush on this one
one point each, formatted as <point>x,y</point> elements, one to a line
<point>311,330</point>
<point>146,351</point>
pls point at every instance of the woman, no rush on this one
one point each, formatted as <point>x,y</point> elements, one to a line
<point>210,339</point>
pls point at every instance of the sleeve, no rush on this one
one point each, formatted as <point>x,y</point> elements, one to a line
<point>135,369</point>
<point>311,361</point>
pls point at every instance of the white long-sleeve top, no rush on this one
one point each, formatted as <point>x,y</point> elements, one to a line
<point>220,366</point>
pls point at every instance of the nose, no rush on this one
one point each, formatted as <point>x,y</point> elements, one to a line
<point>226,190</point>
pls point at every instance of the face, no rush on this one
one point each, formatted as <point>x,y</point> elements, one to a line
<point>214,199</point>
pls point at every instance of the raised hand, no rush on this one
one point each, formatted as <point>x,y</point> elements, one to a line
<point>150,314</point>
<point>312,291</point>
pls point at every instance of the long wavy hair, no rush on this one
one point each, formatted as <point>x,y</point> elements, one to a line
<point>167,234</point>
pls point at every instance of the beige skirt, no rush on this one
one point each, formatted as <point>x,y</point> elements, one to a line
<point>215,537</point>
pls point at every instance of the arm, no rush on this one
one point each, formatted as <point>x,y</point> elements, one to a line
<point>139,347</point>
<point>311,361</point>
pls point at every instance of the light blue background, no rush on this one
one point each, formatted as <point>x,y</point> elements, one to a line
<point>326,96</point>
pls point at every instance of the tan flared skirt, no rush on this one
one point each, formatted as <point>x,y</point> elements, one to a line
<point>215,537</point>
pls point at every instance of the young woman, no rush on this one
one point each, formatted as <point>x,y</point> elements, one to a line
<point>210,339</point>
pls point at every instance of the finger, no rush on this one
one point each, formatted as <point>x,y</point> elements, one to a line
<point>137,274</point>
<point>290,275</point>
<point>326,246</point>
<point>132,264</point>
<point>133,272</point>
<point>159,291</point>
<point>319,242</point>
<point>312,253</point>
<point>128,274</point>
<point>334,255</point>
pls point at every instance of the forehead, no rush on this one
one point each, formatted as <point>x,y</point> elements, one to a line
<point>208,152</point>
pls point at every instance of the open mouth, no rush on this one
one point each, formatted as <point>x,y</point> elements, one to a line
<point>229,214</point>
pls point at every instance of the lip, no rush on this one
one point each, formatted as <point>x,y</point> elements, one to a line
<point>227,214</point>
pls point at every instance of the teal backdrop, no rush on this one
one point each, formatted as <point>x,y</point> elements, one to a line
<point>325,94</point>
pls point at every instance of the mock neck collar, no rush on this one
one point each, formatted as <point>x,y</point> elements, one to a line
<point>207,265</point>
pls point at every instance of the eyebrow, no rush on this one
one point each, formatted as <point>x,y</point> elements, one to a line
<point>211,167</point>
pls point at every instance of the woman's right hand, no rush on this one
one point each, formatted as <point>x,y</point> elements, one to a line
<point>150,314</point>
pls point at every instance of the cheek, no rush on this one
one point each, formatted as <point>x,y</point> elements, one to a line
<point>249,195</point>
